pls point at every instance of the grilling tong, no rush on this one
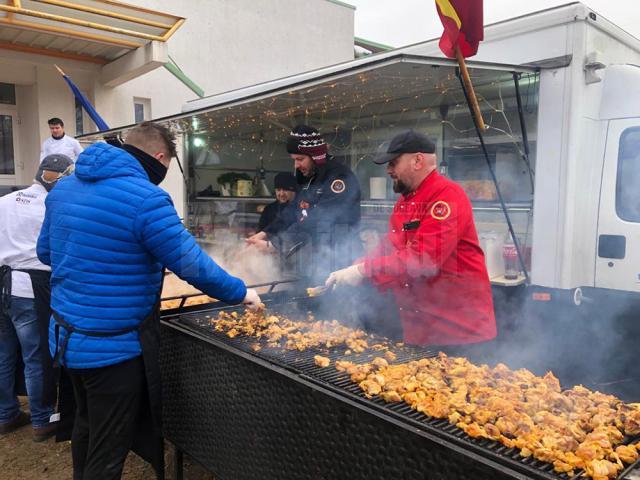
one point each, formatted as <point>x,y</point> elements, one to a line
<point>317,291</point>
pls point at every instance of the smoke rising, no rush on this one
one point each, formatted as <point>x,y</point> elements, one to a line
<point>245,261</point>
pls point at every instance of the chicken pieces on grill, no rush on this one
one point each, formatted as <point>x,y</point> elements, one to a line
<point>280,331</point>
<point>575,429</point>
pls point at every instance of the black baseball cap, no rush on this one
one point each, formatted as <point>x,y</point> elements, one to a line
<point>408,141</point>
<point>56,163</point>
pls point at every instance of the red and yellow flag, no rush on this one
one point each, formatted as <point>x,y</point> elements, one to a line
<point>462,21</point>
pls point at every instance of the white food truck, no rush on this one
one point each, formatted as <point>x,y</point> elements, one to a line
<point>560,92</point>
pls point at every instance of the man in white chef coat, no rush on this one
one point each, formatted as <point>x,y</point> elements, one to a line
<point>24,303</point>
<point>59,142</point>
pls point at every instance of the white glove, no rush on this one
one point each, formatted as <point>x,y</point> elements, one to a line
<point>252,300</point>
<point>352,276</point>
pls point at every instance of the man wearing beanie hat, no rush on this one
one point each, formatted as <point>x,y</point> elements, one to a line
<point>286,188</point>
<point>325,212</point>
<point>24,303</point>
<point>431,258</point>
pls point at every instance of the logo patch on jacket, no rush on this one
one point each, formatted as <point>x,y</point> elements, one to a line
<point>304,205</point>
<point>338,186</point>
<point>440,210</point>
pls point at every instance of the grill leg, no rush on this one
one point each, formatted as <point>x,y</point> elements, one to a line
<point>178,465</point>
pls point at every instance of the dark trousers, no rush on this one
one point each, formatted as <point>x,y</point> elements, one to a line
<point>108,402</point>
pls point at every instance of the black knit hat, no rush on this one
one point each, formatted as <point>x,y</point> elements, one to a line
<point>306,140</point>
<point>286,181</point>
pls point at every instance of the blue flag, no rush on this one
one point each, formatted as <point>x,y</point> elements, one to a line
<point>86,104</point>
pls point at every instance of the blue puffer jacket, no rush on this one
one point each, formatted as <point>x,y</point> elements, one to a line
<point>107,233</point>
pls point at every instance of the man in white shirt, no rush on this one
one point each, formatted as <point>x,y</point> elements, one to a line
<point>24,303</point>
<point>59,142</point>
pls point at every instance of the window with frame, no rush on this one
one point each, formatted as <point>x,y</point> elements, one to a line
<point>141,109</point>
<point>7,94</point>
<point>628,178</point>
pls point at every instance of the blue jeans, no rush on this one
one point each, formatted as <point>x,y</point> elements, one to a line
<point>20,329</point>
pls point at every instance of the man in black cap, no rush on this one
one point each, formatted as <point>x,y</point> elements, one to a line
<point>286,188</point>
<point>24,303</point>
<point>325,212</point>
<point>431,258</point>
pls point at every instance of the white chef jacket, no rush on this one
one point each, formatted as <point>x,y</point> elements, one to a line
<point>65,145</point>
<point>21,217</point>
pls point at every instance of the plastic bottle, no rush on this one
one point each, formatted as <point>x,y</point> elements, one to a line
<point>511,264</point>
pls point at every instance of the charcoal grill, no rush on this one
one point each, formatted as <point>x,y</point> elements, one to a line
<point>274,414</point>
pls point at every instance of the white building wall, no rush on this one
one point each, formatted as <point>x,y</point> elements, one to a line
<point>223,45</point>
<point>226,44</point>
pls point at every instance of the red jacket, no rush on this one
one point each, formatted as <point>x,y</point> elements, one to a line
<point>433,263</point>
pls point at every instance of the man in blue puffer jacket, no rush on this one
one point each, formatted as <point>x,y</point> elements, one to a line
<point>108,232</point>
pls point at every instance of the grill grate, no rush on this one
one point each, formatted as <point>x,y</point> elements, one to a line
<point>196,319</point>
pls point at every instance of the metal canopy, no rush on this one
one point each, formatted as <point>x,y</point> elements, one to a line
<point>96,31</point>
<point>375,86</point>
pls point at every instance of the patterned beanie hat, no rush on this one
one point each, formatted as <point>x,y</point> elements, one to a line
<point>305,140</point>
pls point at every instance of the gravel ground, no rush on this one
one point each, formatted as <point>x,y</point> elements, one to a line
<point>23,459</point>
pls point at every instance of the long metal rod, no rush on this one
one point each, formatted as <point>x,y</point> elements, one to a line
<point>106,13</point>
<point>80,23</point>
<point>51,53</point>
<point>68,33</point>
<point>256,285</point>
<point>495,181</point>
<point>523,128</point>
<point>178,469</point>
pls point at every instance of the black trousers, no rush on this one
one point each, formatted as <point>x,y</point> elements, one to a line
<point>108,402</point>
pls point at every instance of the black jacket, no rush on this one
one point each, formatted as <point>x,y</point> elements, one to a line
<point>322,222</point>
<point>270,214</point>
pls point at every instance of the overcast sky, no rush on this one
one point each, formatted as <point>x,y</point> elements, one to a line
<point>403,22</point>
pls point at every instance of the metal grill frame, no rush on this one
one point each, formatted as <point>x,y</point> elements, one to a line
<point>485,458</point>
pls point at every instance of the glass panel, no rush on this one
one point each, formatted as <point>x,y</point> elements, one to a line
<point>7,93</point>
<point>356,112</point>
<point>7,166</point>
<point>627,191</point>
<point>138,111</point>
<point>463,154</point>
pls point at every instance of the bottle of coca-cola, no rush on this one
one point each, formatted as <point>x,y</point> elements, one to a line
<point>511,264</point>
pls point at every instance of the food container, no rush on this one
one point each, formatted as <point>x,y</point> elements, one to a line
<point>492,245</point>
<point>378,188</point>
<point>245,188</point>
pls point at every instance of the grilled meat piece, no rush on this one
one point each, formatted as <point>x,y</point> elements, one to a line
<point>575,429</point>
<point>320,361</point>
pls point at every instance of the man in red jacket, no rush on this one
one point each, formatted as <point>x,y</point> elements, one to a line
<point>431,258</point>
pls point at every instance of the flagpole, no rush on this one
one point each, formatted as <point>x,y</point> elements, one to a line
<point>469,87</point>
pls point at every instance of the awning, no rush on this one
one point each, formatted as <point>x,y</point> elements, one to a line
<point>97,31</point>
<point>348,91</point>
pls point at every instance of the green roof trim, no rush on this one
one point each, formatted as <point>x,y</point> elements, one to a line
<point>173,67</point>
<point>342,4</point>
<point>363,42</point>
